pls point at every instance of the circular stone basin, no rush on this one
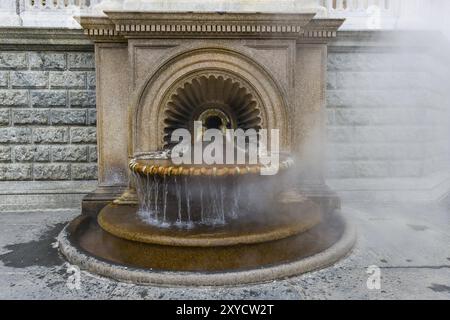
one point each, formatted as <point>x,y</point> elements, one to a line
<point>83,242</point>
<point>124,222</point>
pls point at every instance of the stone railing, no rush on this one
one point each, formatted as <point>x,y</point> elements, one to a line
<point>365,14</point>
<point>54,13</point>
<point>360,14</point>
<point>44,13</point>
<point>390,14</point>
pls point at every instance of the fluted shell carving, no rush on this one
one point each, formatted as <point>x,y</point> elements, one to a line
<point>207,93</point>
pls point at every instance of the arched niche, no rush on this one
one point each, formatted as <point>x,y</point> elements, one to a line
<point>148,110</point>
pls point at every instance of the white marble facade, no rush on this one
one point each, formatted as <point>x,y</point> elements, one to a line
<point>360,14</point>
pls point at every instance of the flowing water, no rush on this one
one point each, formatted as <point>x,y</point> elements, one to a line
<point>186,201</point>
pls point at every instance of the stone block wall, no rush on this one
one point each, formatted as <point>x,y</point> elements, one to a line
<point>387,115</point>
<point>47,115</point>
<point>387,109</point>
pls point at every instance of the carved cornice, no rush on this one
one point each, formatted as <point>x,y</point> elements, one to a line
<point>98,27</point>
<point>322,28</point>
<point>122,25</point>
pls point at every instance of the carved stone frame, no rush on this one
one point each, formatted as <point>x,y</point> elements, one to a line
<point>147,107</point>
<point>291,96</point>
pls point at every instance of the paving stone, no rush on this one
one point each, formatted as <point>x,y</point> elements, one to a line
<point>414,264</point>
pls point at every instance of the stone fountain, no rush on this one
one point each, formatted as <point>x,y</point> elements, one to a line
<point>153,221</point>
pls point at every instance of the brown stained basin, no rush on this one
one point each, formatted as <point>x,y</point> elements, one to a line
<point>123,222</point>
<point>90,238</point>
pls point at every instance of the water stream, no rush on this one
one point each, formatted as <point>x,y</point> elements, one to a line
<point>186,201</point>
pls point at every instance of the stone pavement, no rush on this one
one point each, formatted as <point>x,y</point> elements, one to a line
<point>410,243</point>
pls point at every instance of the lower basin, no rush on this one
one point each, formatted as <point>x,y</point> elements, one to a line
<point>86,239</point>
<point>123,222</point>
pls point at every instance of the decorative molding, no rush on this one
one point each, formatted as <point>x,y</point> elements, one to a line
<point>209,88</point>
<point>322,28</point>
<point>149,101</point>
<point>109,32</point>
<point>209,24</point>
<point>98,27</point>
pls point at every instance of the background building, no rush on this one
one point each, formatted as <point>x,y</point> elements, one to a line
<point>388,100</point>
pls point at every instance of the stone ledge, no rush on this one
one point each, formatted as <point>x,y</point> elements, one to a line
<point>43,39</point>
<point>46,187</point>
<point>432,188</point>
<point>36,195</point>
<point>382,40</point>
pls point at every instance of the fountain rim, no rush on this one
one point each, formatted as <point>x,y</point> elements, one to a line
<point>138,166</point>
<point>320,260</point>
